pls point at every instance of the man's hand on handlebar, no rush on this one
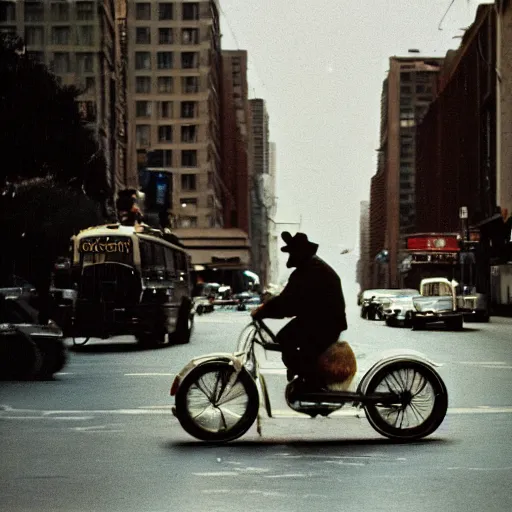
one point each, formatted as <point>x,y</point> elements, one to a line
<point>255,312</point>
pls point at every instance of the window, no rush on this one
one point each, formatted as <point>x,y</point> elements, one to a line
<point>60,11</point>
<point>165,36</point>
<point>143,108</point>
<point>34,36</point>
<point>423,88</point>
<point>165,133</point>
<point>84,11</point>
<point>188,222</point>
<point>211,202</point>
<point>165,110</point>
<point>152,257</point>
<point>210,221</point>
<point>189,133</point>
<point>189,158</point>
<point>159,158</point>
<point>142,60</point>
<point>143,84</point>
<point>181,262</point>
<point>85,62</point>
<point>189,60</point>
<point>188,109</point>
<point>7,11</point>
<point>188,201</point>
<point>188,182</point>
<point>8,30</point>
<point>87,111</point>
<point>190,36</point>
<point>60,35</point>
<point>165,11</point>
<point>90,84</point>
<point>170,261</point>
<point>84,35</point>
<point>210,179</point>
<point>36,56</point>
<point>143,11</point>
<point>34,11</point>
<point>61,63</point>
<point>165,84</point>
<point>191,11</point>
<point>143,134</point>
<point>164,60</point>
<point>405,89</point>
<point>190,84</point>
<point>143,35</point>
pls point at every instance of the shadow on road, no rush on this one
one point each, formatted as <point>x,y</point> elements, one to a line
<point>112,347</point>
<point>258,444</point>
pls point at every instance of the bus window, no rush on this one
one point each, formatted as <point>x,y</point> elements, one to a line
<point>152,258</point>
<point>170,264</point>
<point>181,264</point>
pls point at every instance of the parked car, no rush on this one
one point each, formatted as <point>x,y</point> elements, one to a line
<point>375,302</point>
<point>31,350</point>
<point>436,303</point>
<point>397,310</point>
<point>473,305</point>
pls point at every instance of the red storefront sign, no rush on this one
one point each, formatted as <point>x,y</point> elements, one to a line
<point>435,243</point>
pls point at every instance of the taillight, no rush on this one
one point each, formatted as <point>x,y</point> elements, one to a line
<point>175,385</point>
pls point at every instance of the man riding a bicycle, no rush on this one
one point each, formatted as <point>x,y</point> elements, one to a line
<point>314,297</point>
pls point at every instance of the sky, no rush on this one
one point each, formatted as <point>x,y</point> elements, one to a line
<point>320,65</point>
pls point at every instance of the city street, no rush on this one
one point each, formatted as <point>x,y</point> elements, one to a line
<point>101,436</point>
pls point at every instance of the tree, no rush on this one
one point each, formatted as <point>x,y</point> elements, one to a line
<point>32,238</point>
<point>41,130</point>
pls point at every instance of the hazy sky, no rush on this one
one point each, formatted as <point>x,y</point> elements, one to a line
<point>320,65</point>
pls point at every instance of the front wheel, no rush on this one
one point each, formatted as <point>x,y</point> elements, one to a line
<point>214,404</point>
<point>421,407</point>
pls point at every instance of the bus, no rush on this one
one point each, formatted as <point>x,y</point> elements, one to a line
<point>131,280</point>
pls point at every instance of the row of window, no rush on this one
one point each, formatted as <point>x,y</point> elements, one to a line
<point>157,257</point>
<point>165,84</point>
<point>82,36</point>
<point>165,60</point>
<point>68,62</point>
<point>166,11</point>
<point>190,221</point>
<point>59,11</point>
<point>165,110</point>
<point>165,134</point>
<point>166,35</point>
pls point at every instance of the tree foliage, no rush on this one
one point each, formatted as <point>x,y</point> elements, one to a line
<point>41,130</point>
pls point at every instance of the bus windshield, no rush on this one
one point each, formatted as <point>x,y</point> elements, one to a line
<point>102,249</point>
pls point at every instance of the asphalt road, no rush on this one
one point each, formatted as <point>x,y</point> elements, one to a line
<point>101,436</point>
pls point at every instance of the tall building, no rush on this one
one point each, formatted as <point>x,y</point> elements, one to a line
<point>260,203</point>
<point>235,128</point>
<point>174,108</point>
<point>410,87</point>
<point>273,227</point>
<point>363,265</point>
<point>76,40</point>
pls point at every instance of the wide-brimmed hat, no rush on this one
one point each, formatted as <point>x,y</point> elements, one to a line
<point>298,244</point>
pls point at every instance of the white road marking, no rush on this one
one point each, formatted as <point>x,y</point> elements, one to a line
<point>218,473</point>
<point>149,374</point>
<point>506,468</point>
<point>289,475</point>
<point>482,362</point>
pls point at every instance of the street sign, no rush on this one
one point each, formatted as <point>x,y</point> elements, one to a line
<point>463,212</point>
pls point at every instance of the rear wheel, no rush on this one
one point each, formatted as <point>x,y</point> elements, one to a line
<point>422,405</point>
<point>215,404</point>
